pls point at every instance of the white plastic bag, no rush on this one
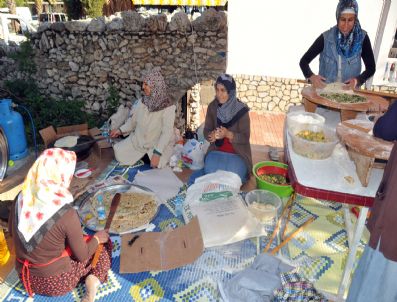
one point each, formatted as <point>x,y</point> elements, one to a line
<point>224,218</point>
<point>193,154</point>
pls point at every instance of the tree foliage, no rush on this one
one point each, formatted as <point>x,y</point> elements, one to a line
<point>3,3</point>
<point>39,6</point>
<point>93,8</point>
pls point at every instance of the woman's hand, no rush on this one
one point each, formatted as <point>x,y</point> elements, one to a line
<point>317,81</point>
<point>155,160</point>
<point>351,84</point>
<point>115,133</point>
<point>102,236</point>
<point>223,132</point>
<point>211,136</point>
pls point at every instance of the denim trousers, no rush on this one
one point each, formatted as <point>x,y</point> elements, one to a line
<point>218,160</point>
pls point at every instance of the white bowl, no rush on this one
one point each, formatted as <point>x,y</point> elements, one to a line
<point>264,205</point>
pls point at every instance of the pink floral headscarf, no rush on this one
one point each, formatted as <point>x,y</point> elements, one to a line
<point>158,99</point>
<point>44,191</point>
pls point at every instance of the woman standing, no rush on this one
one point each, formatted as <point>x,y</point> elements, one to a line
<point>375,276</point>
<point>341,49</point>
<point>227,128</point>
<point>52,255</point>
<point>150,127</point>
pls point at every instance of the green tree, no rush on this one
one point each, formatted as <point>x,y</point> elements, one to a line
<point>3,3</point>
<point>93,8</point>
<point>39,6</point>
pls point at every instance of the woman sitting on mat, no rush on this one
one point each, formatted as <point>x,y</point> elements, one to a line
<point>52,255</point>
<point>227,128</point>
<point>151,127</point>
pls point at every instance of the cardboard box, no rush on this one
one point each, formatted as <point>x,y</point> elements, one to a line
<point>50,135</point>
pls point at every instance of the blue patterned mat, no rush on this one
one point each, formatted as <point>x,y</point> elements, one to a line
<point>194,282</point>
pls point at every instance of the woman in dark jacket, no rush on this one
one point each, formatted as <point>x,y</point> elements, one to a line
<point>227,128</point>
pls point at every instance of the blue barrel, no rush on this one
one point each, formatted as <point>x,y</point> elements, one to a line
<point>12,124</point>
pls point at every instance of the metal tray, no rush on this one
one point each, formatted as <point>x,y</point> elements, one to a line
<point>85,207</point>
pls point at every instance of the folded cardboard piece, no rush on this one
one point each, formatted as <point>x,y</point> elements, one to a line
<point>155,251</point>
<point>49,135</point>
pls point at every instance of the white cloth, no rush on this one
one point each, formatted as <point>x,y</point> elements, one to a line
<point>148,131</point>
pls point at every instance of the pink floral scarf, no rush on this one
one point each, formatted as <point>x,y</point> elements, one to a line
<point>44,193</point>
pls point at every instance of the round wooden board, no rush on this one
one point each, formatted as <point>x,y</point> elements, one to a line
<point>312,95</point>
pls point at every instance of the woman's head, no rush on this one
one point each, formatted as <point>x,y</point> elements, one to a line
<point>349,35</point>
<point>346,15</point>
<point>155,91</point>
<point>225,88</point>
<point>45,190</point>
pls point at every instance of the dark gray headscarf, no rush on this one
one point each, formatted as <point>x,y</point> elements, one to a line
<point>227,111</point>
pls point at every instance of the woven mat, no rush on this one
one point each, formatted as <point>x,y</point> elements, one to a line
<point>194,282</point>
<point>322,247</point>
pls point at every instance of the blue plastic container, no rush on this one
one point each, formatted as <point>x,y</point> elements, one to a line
<point>14,129</point>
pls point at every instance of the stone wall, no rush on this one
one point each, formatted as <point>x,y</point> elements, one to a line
<point>83,59</point>
<point>264,93</point>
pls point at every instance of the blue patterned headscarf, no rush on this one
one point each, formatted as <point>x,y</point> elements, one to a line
<point>351,44</point>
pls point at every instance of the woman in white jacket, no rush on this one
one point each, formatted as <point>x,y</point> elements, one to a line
<point>150,128</point>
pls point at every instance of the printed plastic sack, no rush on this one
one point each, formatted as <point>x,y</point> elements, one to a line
<point>193,154</point>
<point>224,218</point>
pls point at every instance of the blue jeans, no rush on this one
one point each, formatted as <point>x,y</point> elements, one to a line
<point>218,160</point>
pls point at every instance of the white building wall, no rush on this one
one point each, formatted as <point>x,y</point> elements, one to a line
<point>270,37</point>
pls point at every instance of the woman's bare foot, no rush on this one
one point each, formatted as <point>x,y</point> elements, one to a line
<point>91,286</point>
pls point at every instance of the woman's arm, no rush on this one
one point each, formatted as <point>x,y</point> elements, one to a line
<point>210,118</point>
<point>74,238</point>
<point>369,61</point>
<point>243,135</point>
<point>167,128</point>
<point>130,123</point>
<point>314,50</point>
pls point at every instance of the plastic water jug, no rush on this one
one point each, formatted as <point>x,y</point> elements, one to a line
<point>13,126</point>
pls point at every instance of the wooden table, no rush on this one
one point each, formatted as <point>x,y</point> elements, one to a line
<point>348,111</point>
<point>363,147</point>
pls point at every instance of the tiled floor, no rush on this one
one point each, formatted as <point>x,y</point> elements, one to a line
<point>266,128</point>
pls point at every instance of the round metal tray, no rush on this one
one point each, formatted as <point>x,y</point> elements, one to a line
<point>85,207</point>
<point>3,154</point>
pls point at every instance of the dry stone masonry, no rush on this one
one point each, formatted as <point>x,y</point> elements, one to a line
<point>83,59</point>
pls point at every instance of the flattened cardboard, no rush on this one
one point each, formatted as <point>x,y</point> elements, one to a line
<point>155,251</point>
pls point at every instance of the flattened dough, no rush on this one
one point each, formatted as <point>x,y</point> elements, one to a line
<point>66,141</point>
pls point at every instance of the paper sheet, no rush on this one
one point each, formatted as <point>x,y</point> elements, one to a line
<point>161,181</point>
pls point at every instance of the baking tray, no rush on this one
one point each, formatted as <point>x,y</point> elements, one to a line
<point>89,220</point>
